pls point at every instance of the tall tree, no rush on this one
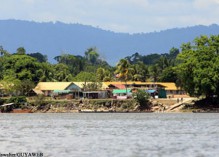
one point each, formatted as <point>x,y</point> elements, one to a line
<point>39,56</point>
<point>139,72</point>
<point>198,69</point>
<point>74,63</point>
<point>173,53</point>
<point>85,77</point>
<point>92,55</point>
<point>103,75</point>
<point>154,72</point>
<point>11,85</point>
<point>168,75</point>
<point>123,71</point>
<point>46,72</point>
<point>62,72</point>
<point>25,87</point>
<point>21,51</point>
<point>22,67</point>
<point>136,57</point>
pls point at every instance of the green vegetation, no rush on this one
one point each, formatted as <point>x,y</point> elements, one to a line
<point>20,68</point>
<point>143,99</point>
<point>198,68</point>
<point>2,101</point>
<point>194,68</point>
<point>19,101</point>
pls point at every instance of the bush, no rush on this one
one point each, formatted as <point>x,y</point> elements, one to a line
<point>18,101</point>
<point>40,100</point>
<point>143,99</point>
<point>2,101</point>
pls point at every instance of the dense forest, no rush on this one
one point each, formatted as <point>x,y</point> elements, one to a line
<point>195,68</point>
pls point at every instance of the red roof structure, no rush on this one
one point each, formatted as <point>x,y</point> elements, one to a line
<point>119,86</point>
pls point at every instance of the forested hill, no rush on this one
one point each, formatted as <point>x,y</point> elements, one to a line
<point>52,39</point>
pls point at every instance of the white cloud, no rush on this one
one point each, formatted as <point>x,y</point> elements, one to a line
<point>205,4</point>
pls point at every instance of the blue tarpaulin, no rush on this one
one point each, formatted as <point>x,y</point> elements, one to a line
<point>150,91</point>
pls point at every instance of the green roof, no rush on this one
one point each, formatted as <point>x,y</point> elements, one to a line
<point>61,91</point>
<point>119,91</point>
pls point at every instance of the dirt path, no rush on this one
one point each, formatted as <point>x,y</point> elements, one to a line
<point>176,107</point>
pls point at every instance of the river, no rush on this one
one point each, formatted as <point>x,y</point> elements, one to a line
<point>111,134</point>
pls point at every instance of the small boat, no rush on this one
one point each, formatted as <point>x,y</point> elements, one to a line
<point>21,111</point>
<point>8,108</point>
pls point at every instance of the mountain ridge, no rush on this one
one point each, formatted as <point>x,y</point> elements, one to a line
<point>53,39</point>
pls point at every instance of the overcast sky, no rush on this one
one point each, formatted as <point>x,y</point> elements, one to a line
<point>132,16</point>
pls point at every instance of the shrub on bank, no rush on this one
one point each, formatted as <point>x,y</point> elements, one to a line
<point>18,101</point>
<point>143,99</point>
<point>2,101</point>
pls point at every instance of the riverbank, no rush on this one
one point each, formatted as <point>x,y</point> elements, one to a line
<point>172,105</point>
<point>108,105</point>
<point>86,105</point>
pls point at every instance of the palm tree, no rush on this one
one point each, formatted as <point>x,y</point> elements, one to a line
<point>154,70</point>
<point>92,55</point>
<point>122,71</point>
<point>139,71</point>
<point>103,75</point>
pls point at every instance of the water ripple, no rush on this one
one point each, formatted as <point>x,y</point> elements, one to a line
<point>106,135</point>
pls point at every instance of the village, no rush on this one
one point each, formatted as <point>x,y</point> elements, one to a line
<point>116,90</point>
<point>110,97</point>
<point>163,96</point>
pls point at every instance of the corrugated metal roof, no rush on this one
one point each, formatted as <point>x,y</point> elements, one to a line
<point>169,85</point>
<point>119,86</point>
<point>81,84</point>
<point>64,85</point>
<point>119,91</point>
<point>52,85</point>
<point>128,82</point>
<point>37,91</point>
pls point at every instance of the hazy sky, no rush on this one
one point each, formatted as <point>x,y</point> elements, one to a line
<point>117,15</point>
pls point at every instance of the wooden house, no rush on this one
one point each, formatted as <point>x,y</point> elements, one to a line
<point>51,88</point>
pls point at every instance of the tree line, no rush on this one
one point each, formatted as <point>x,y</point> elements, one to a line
<point>194,67</point>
